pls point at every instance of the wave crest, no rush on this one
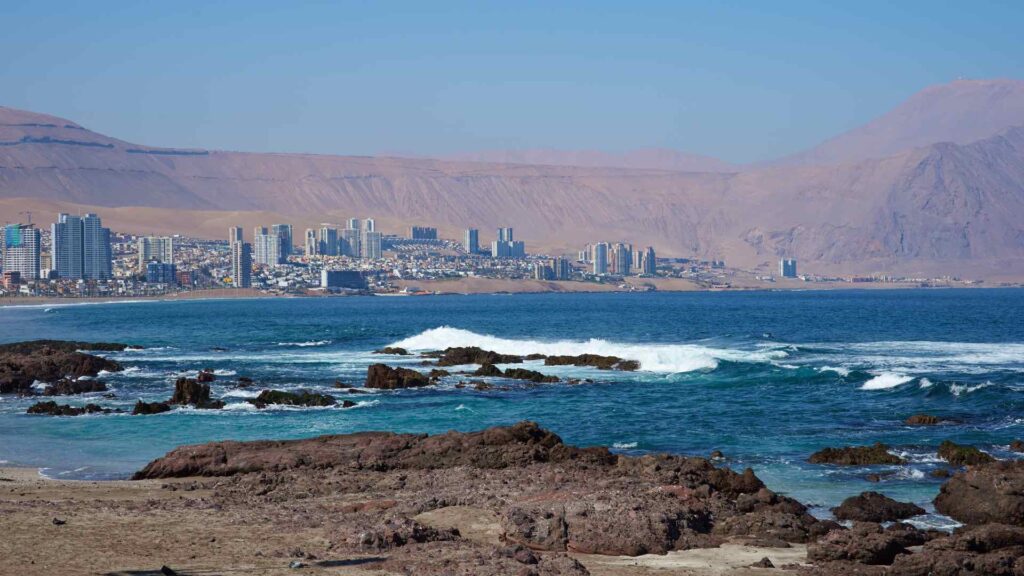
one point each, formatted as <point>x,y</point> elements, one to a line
<point>664,358</point>
<point>886,380</point>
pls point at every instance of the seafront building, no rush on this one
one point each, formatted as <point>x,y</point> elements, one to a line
<point>471,242</point>
<point>599,256</point>
<point>648,262</point>
<point>81,248</point>
<point>268,247</point>
<point>620,259</point>
<point>155,249</point>
<point>328,242</point>
<point>161,273</point>
<point>422,233</point>
<point>241,264</point>
<point>21,250</point>
<point>506,245</point>
<point>311,246</point>
<point>787,268</point>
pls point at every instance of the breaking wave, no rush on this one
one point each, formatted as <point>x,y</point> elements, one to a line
<point>665,358</point>
<point>307,344</point>
<point>886,380</point>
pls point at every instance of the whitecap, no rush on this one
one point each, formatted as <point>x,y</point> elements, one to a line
<point>624,445</point>
<point>225,372</point>
<point>305,344</point>
<point>37,385</point>
<point>241,394</point>
<point>461,407</point>
<point>958,389</point>
<point>844,372</point>
<point>925,383</point>
<point>886,380</point>
<point>665,358</point>
<point>240,406</point>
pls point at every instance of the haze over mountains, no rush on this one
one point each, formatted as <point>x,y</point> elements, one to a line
<point>934,187</point>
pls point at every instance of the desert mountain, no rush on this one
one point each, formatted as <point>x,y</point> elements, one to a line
<point>960,112</point>
<point>942,208</point>
<point>642,159</point>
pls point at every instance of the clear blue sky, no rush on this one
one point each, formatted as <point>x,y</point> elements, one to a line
<point>742,81</point>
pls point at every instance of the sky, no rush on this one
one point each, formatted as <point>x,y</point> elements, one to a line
<point>741,81</point>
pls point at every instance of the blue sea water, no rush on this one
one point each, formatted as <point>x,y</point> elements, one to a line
<point>765,377</point>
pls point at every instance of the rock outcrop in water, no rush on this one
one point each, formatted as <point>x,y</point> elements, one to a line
<point>67,387</point>
<point>300,398</point>
<point>51,408</point>
<point>992,492</point>
<point>146,408</point>
<point>593,360</point>
<point>192,393</point>
<point>393,351</point>
<point>877,453</point>
<point>24,363</point>
<point>959,455</point>
<point>384,377</point>
<point>875,507</point>
<point>473,355</point>
<point>922,420</point>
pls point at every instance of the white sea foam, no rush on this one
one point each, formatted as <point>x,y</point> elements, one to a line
<point>925,383</point>
<point>240,406</point>
<point>958,389</point>
<point>886,380</point>
<point>225,372</point>
<point>37,385</point>
<point>624,445</point>
<point>241,393</point>
<point>461,407</point>
<point>923,356</point>
<point>844,372</point>
<point>666,358</point>
<point>305,344</point>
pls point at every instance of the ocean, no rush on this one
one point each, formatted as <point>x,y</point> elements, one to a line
<point>765,377</point>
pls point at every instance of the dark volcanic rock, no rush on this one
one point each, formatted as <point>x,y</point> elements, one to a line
<point>982,494</point>
<point>989,550</point>
<point>763,563</point>
<point>474,355</point>
<point>384,377</point>
<point>922,420</point>
<point>517,445</point>
<point>531,375</point>
<point>348,404</point>
<point>300,398</point>
<point>393,350</point>
<point>1017,446</point>
<point>401,531</point>
<point>206,376</point>
<point>488,370</point>
<point>23,363</point>
<point>877,453</point>
<point>51,408</point>
<point>244,382</point>
<point>190,392</point>
<point>437,373</point>
<point>875,507</point>
<point>145,408</point>
<point>959,455</point>
<point>595,360</point>
<point>65,387</point>
<point>865,543</point>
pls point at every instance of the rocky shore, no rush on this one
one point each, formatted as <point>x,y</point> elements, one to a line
<point>505,500</point>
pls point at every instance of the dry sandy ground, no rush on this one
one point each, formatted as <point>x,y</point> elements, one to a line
<point>123,528</point>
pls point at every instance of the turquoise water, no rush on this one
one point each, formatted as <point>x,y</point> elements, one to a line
<point>766,377</point>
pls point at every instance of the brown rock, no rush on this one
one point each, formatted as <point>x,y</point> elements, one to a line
<point>875,507</point>
<point>594,360</point>
<point>300,398</point>
<point>53,409</point>
<point>488,370</point>
<point>190,392</point>
<point>392,350</point>
<point>991,492</point>
<point>146,408</point>
<point>529,375</point>
<point>474,355</point>
<point>1017,446</point>
<point>959,455</point>
<point>990,549</point>
<point>66,387</point>
<point>23,363</point>
<point>865,543</point>
<point>385,377</point>
<point>877,453</point>
<point>206,376</point>
<point>763,563</point>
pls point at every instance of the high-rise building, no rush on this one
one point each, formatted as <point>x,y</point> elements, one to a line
<point>787,267</point>
<point>21,250</point>
<point>329,241</point>
<point>66,246</point>
<point>312,243</point>
<point>97,260</point>
<point>284,233</point>
<point>562,269</point>
<point>648,262</point>
<point>599,255</point>
<point>354,224</point>
<point>422,233</point>
<point>471,244</point>
<point>620,259</point>
<point>506,246</point>
<point>81,247</point>
<point>351,242</point>
<point>161,273</point>
<point>155,249</point>
<point>371,226</point>
<point>371,245</point>
<point>241,264</point>
<point>235,234</point>
<point>267,248</point>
